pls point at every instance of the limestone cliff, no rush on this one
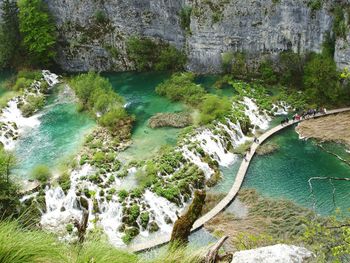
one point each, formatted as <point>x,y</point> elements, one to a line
<point>93,33</point>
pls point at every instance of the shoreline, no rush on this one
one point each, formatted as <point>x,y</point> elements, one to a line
<point>333,128</point>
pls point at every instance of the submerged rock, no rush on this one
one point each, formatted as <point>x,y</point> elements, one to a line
<point>273,254</point>
<point>267,148</point>
<point>176,120</point>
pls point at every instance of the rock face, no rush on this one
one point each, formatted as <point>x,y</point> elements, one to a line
<point>93,33</point>
<point>273,254</point>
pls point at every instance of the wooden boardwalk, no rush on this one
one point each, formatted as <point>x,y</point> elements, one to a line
<point>233,191</point>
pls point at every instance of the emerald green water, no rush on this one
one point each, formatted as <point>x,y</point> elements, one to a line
<point>61,132</point>
<point>285,174</point>
<point>142,101</point>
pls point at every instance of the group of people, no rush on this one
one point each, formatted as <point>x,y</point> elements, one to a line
<point>304,115</point>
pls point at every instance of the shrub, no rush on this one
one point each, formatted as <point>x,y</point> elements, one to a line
<point>41,173</point>
<point>180,87</point>
<point>267,72</point>
<point>64,181</point>
<point>100,16</point>
<point>33,104</point>
<point>96,95</point>
<point>214,108</point>
<point>170,59</point>
<point>22,83</point>
<point>123,194</point>
<point>185,18</point>
<point>149,55</point>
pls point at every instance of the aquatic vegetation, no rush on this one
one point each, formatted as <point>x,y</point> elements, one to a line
<point>41,173</point>
<point>96,95</point>
<point>181,87</point>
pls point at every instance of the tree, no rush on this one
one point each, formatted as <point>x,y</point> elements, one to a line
<point>9,201</point>
<point>267,72</point>
<point>321,79</point>
<point>9,33</point>
<point>38,30</point>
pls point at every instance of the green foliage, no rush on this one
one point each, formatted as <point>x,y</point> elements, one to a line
<point>97,96</point>
<point>315,5</point>
<point>33,104</point>
<point>9,33</point>
<point>144,219</point>
<point>41,173</point>
<point>213,108</point>
<point>19,246</point>
<point>143,52</point>
<point>123,194</point>
<point>149,55</point>
<point>185,18</point>
<point>227,59</point>
<point>100,16</point>
<point>64,181</point>
<point>339,24</point>
<point>291,69</point>
<point>267,72</point>
<point>170,59</point>
<point>38,30</point>
<point>9,194</point>
<point>330,240</point>
<point>239,66</point>
<point>321,79</point>
<point>180,87</point>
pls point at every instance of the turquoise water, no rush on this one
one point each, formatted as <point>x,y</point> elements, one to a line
<point>61,132</point>
<point>285,174</point>
<point>139,91</point>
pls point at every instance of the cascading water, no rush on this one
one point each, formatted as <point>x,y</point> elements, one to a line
<point>214,142</point>
<point>13,123</point>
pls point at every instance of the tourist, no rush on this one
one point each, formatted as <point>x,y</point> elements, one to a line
<point>256,140</point>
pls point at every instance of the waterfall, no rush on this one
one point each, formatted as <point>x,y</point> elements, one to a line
<point>257,117</point>
<point>12,121</point>
<point>195,159</point>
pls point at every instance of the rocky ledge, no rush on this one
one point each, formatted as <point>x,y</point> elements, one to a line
<point>176,120</point>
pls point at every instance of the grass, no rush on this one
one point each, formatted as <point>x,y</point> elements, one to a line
<point>6,97</point>
<point>18,245</point>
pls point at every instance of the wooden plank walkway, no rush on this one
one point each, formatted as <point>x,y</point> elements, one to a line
<point>233,191</point>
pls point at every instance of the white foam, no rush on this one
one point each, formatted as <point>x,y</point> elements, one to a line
<point>257,118</point>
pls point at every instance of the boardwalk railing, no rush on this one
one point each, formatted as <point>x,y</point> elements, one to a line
<point>235,187</point>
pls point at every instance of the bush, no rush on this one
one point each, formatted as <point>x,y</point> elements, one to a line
<point>214,108</point>
<point>41,173</point>
<point>170,59</point>
<point>149,55</point>
<point>32,105</point>
<point>267,72</point>
<point>100,16</point>
<point>185,18</point>
<point>180,87</point>
<point>64,181</point>
<point>96,95</point>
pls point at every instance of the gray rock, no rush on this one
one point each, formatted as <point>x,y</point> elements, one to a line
<point>258,27</point>
<point>273,254</point>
